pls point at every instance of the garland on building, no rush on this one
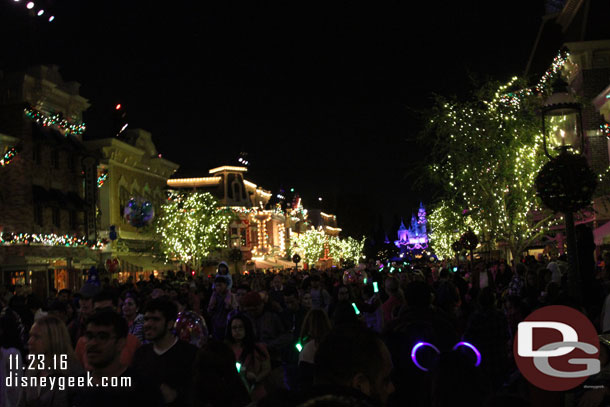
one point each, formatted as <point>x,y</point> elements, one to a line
<point>515,99</point>
<point>102,178</point>
<point>605,128</point>
<point>8,156</point>
<point>11,239</point>
<point>56,120</point>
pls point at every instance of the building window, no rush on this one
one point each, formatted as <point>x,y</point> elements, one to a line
<point>123,200</point>
<point>37,154</point>
<point>38,215</point>
<point>56,217</point>
<point>73,220</point>
<point>55,159</point>
<point>254,236</point>
<point>70,162</point>
<point>243,233</point>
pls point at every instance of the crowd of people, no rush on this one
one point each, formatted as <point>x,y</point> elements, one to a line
<point>296,338</point>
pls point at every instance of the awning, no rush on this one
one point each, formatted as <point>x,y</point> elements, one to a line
<point>602,234</point>
<point>142,263</point>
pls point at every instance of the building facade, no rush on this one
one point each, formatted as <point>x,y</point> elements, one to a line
<point>579,28</point>
<point>129,167</point>
<point>47,183</point>
<point>261,229</point>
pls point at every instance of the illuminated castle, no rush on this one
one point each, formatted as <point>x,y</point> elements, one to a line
<point>416,237</point>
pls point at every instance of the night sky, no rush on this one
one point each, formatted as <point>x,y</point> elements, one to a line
<point>324,97</point>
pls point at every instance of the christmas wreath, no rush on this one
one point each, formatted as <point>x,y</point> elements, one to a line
<point>566,183</point>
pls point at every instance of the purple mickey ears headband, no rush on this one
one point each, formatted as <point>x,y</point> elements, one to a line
<point>414,353</point>
<point>420,345</point>
<point>471,347</point>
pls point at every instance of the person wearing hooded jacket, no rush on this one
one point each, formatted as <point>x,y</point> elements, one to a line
<point>223,270</point>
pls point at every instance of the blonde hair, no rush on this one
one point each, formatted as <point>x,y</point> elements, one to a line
<point>55,337</point>
<point>316,325</point>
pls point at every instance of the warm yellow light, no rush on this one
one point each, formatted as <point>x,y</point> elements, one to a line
<point>333,229</point>
<point>193,182</point>
<point>326,215</point>
<point>227,168</point>
<point>249,184</point>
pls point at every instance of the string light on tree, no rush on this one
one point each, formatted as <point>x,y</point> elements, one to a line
<point>190,226</point>
<point>487,161</point>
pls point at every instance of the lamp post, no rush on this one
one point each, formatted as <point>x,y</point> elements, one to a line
<point>566,183</point>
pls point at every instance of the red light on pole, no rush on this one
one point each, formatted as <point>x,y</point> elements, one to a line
<point>118,107</point>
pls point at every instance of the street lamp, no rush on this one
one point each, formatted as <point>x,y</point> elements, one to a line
<point>562,121</point>
<point>566,183</point>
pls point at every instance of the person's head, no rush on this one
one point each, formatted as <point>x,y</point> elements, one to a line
<point>159,319</point>
<point>182,302</point>
<point>105,337</point>
<point>417,294</point>
<point>214,370</point>
<point>316,325</point>
<point>276,283</point>
<point>291,299</point>
<point>49,336</point>
<point>520,269</point>
<point>157,292</point>
<point>343,293</point>
<point>86,306</point>
<point>368,291</point>
<point>64,295</point>
<point>223,268</point>
<point>105,299</point>
<point>240,292</point>
<point>130,306</point>
<point>220,285</point>
<point>355,357</point>
<point>487,298</point>
<point>60,310</point>
<point>391,286</point>
<point>315,281</point>
<point>240,330</point>
<point>252,304</point>
<point>456,381</point>
<point>531,279</point>
<point>306,300</point>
